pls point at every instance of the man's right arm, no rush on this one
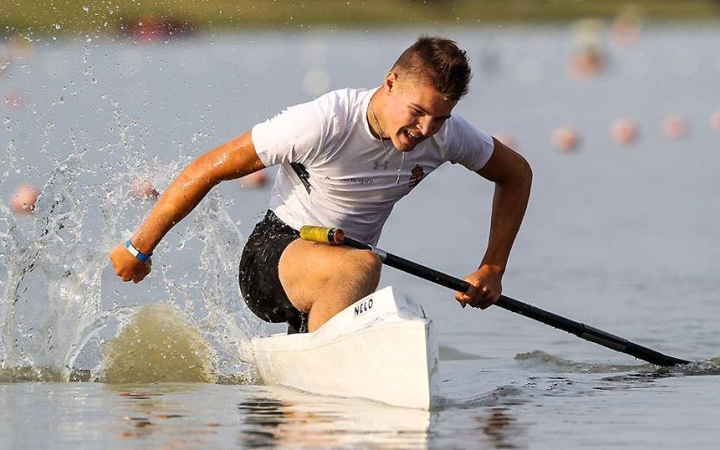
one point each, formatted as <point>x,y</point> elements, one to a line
<point>234,159</point>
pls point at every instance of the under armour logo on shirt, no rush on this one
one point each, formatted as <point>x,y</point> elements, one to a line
<point>385,165</point>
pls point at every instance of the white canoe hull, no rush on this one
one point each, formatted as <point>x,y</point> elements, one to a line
<point>382,348</point>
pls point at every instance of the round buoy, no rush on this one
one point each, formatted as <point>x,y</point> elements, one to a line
<point>675,127</point>
<point>507,139</point>
<point>257,179</point>
<point>565,138</point>
<point>626,28</point>
<point>14,99</point>
<point>24,198</point>
<point>143,188</point>
<point>624,131</point>
<point>585,63</point>
<point>715,121</point>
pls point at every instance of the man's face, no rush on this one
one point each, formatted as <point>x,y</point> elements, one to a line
<point>415,111</point>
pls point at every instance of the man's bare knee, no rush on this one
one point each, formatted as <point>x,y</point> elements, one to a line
<point>367,263</point>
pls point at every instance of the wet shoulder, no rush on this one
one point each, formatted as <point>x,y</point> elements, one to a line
<point>341,109</point>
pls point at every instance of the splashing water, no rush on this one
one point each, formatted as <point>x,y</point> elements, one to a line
<point>159,345</point>
<point>51,296</point>
<point>58,313</point>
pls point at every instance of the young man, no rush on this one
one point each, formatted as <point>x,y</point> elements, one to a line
<point>345,159</point>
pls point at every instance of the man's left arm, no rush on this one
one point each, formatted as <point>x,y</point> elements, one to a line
<point>512,176</point>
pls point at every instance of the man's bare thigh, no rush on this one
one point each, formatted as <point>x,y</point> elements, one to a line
<point>307,269</point>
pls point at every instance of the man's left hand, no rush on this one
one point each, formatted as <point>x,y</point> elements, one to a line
<point>485,287</point>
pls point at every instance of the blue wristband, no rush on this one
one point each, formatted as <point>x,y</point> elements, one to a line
<point>135,252</point>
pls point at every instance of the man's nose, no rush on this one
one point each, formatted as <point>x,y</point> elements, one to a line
<point>424,125</point>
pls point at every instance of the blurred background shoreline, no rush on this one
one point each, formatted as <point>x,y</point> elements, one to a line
<point>100,18</point>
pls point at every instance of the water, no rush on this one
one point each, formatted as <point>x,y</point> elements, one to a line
<point>622,238</point>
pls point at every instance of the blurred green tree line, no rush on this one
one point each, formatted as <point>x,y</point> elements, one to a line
<point>176,17</point>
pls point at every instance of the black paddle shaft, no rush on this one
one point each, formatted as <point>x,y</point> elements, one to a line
<point>581,330</point>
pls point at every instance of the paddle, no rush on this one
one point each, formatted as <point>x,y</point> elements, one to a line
<point>592,334</point>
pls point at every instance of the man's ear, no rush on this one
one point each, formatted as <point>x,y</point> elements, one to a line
<point>390,80</point>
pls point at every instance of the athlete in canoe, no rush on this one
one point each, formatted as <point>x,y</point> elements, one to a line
<point>344,160</point>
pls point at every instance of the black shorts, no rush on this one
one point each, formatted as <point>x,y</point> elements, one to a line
<point>259,275</point>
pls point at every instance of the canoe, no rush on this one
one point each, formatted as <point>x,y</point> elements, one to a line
<point>381,348</point>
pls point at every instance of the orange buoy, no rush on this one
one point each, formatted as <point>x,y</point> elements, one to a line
<point>715,121</point>
<point>565,138</point>
<point>143,188</point>
<point>675,127</point>
<point>24,198</point>
<point>13,99</point>
<point>626,28</point>
<point>507,139</point>
<point>585,63</point>
<point>257,179</point>
<point>624,131</point>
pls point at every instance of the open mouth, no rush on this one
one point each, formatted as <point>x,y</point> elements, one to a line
<point>413,138</point>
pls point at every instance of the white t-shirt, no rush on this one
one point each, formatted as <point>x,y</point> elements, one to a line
<point>335,173</point>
